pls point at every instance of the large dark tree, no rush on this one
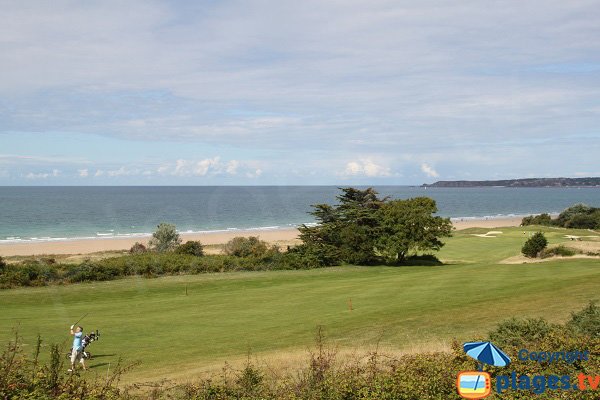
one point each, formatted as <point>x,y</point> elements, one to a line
<point>408,227</point>
<point>364,228</point>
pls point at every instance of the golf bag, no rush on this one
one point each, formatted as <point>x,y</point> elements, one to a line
<point>85,342</point>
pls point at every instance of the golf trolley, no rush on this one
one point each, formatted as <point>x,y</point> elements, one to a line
<point>85,341</point>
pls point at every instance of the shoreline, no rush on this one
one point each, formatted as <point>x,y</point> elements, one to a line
<point>280,236</point>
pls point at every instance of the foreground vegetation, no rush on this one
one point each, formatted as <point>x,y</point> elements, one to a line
<point>323,374</point>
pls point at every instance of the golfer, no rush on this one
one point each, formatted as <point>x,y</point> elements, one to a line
<point>77,350</point>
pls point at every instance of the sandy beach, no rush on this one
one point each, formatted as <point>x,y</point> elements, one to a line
<point>281,237</point>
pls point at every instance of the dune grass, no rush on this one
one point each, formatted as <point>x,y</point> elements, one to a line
<point>225,316</point>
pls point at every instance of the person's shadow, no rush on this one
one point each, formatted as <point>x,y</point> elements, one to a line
<point>94,356</point>
<point>97,365</point>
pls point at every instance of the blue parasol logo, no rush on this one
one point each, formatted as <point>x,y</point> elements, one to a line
<point>486,353</point>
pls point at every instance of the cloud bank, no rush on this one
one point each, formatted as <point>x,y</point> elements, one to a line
<point>303,87</point>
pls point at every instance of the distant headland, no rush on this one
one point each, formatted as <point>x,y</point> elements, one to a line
<point>526,182</point>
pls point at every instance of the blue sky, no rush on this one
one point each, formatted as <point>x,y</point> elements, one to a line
<point>287,92</point>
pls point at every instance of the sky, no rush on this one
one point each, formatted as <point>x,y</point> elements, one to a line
<point>297,92</point>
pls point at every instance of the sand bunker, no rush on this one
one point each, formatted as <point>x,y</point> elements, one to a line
<point>490,234</point>
<point>524,260</point>
<point>586,246</point>
<point>573,237</point>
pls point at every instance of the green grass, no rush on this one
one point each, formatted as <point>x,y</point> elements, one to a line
<point>225,316</point>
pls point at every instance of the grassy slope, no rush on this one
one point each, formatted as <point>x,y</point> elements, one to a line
<point>226,315</point>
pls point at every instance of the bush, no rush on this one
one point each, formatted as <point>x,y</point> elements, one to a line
<point>578,216</point>
<point>582,221</point>
<point>587,321</point>
<point>246,247</point>
<point>165,238</point>
<point>191,247</point>
<point>558,251</point>
<point>150,265</point>
<point>534,245</point>
<point>2,264</point>
<point>138,248</point>
<point>570,212</point>
<point>541,219</point>
<point>519,332</point>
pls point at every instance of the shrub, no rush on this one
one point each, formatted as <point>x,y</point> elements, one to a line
<point>587,321</point>
<point>138,248</point>
<point>246,247</point>
<point>558,251</point>
<point>579,216</point>
<point>582,221</point>
<point>519,332</point>
<point>541,219</point>
<point>534,245</point>
<point>165,238</point>
<point>570,212</point>
<point>2,265</point>
<point>191,247</point>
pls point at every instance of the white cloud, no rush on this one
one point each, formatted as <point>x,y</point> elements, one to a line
<point>366,167</point>
<point>123,171</point>
<point>254,174</point>
<point>193,168</point>
<point>43,175</point>
<point>232,167</point>
<point>162,169</point>
<point>202,167</point>
<point>83,172</point>
<point>99,172</point>
<point>429,171</point>
<point>205,167</point>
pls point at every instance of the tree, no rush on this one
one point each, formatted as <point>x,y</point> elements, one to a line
<point>534,245</point>
<point>409,226</point>
<point>191,247</point>
<point>165,238</point>
<point>541,219</point>
<point>345,232</point>
<point>138,248</point>
<point>583,221</point>
<point>568,214</point>
<point>364,228</point>
<point>246,246</point>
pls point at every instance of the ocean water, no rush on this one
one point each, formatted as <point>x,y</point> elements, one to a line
<point>58,213</point>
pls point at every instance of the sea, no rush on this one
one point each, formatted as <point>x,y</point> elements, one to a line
<point>32,214</point>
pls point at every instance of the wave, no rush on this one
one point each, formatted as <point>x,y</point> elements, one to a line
<point>500,216</point>
<point>108,234</point>
<point>118,235</point>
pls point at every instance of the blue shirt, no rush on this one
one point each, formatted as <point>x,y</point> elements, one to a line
<point>77,340</point>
